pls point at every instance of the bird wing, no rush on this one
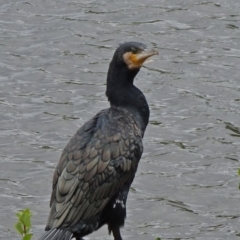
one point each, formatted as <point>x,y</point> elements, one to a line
<point>93,166</point>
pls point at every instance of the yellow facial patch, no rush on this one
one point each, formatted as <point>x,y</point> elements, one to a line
<point>132,61</point>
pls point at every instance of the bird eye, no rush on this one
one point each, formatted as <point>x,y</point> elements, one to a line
<point>134,50</point>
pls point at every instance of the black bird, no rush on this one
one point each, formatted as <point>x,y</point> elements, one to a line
<point>97,167</point>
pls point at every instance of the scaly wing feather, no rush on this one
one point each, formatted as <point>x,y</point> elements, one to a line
<point>94,165</point>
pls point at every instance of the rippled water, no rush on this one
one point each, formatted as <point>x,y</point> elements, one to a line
<point>53,63</point>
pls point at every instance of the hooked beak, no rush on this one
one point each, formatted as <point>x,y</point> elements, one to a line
<point>140,58</point>
<point>136,60</point>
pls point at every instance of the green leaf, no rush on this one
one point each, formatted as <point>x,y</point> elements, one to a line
<point>19,214</point>
<point>239,172</point>
<point>24,224</point>
<point>27,212</point>
<point>27,237</point>
<point>158,238</point>
<point>26,215</point>
<point>19,228</point>
<point>26,219</point>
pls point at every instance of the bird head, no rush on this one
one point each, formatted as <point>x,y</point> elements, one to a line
<point>134,54</point>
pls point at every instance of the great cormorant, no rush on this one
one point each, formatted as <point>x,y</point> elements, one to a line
<point>92,179</point>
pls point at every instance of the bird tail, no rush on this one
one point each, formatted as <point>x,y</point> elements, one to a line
<point>57,234</point>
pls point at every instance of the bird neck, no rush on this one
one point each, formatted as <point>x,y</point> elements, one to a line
<point>122,93</point>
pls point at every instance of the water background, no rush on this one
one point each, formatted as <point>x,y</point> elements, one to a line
<point>54,56</point>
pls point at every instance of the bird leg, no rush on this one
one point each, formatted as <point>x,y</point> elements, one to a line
<point>116,233</point>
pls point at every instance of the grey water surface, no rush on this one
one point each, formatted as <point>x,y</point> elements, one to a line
<point>54,56</point>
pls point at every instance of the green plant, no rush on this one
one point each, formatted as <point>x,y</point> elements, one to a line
<point>158,238</point>
<point>23,225</point>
